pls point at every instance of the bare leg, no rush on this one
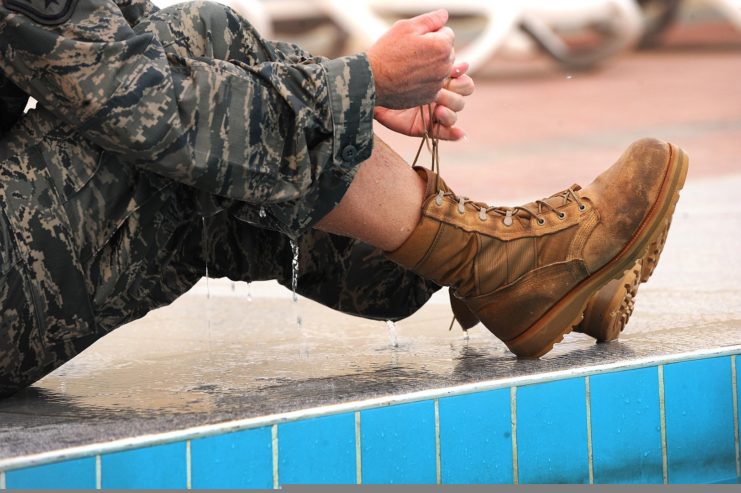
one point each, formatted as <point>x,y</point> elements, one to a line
<point>383,204</point>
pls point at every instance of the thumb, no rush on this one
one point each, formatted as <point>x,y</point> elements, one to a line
<point>429,22</point>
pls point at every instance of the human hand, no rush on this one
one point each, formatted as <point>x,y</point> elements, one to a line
<point>448,102</point>
<point>411,60</point>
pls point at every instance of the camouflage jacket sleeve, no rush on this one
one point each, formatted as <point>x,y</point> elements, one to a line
<point>216,125</point>
<point>135,10</point>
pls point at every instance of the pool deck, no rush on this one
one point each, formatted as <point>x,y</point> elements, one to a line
<point>204,361</point>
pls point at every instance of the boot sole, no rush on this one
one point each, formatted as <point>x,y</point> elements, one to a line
<point>607,312</point>
<point>568,313</point>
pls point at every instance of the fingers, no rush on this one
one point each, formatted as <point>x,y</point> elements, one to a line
<point>429,22</point>
<point>462,85</point>
<point>445,116</point>
<point>451,100</point>
<point>449,133</point>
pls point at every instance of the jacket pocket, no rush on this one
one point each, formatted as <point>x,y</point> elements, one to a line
<point>37,240</point>
<point>70,164</point>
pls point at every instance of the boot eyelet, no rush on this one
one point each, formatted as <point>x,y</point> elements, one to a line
<point>582,207</point>
<point>562,215</point>
<point>508,218</point>
<point>439,198</point>
<point>541,221</point>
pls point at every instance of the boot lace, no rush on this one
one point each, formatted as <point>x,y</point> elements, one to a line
<point>536,210</point>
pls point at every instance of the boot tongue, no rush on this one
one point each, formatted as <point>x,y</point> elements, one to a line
<point>557,200</point>
<point>434,182</point>
<point>562,198</point>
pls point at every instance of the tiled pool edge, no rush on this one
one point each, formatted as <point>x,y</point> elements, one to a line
<point>356,409</point>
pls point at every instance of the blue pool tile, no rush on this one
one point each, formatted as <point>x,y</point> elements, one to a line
<point>78,473</point>
<point>162,466</point>
<point>626,427</point>
<point>476,438</point>
<point>398,444</point>
<point>242,459</point>
<point>552,432</point>
<point>318,451</point>
<point>699,421</point>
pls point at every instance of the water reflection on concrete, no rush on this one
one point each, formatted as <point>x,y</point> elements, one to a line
<point>167,371</point>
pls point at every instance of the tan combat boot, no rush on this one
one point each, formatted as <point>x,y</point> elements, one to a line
<point>528,272</point>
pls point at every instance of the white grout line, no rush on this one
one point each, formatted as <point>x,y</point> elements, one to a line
<point>438,469</point>
<point>513,415</point>
<point>662,418</point>
<point>98,472</point>
<point>276,479</point>
<point>358,451</point>
<point>269,420</point>
<point>734,392</point>
<point>2,480</point>
<point>188,467</point>
<point>590,450</point>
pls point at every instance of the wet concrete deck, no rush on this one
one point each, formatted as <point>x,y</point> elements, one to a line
<point>203,361</point>
<point>532,131</point>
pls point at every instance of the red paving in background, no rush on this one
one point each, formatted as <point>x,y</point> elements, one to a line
<point>534,130</point>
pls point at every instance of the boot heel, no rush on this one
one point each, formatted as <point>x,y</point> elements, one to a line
<point>463,315</point>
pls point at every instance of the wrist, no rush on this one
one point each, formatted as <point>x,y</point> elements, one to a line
<point>376,68</point>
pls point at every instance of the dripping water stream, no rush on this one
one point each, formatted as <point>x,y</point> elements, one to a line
<point>206,251</point>
<point>393,336</point>
<point>303,348</point>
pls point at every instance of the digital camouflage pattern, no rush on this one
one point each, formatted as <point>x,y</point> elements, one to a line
<point>93,236</point>
<point>245,121</point>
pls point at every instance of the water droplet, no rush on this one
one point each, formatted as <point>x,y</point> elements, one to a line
<point>393,337</point>
<point>569,76</point>
<point>262,213</point>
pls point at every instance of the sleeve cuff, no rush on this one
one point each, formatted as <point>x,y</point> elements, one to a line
<point>352,94</point>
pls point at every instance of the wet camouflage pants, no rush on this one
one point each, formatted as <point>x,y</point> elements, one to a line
<point>88,243</point>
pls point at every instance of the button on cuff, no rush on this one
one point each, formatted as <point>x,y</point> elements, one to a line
<point>349,153</point>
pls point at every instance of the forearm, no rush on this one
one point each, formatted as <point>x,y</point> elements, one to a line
<point>273,117</point>
<point>275,129</point>
<point>263,120</point>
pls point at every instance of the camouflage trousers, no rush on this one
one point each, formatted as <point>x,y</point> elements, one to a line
<point>89,242</point>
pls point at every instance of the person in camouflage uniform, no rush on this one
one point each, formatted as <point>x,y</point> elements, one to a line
<point>125,182</point>
<point>188,138</point>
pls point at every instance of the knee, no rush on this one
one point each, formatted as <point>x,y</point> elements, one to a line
<point>207,29</point>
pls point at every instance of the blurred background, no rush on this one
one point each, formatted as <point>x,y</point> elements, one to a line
<point>562,87</point>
